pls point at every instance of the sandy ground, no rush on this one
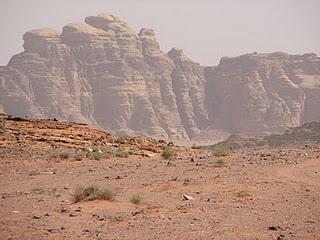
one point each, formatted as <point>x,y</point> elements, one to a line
<point>256,194</point>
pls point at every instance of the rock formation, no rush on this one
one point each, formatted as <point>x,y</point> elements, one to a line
<point>102,73</point>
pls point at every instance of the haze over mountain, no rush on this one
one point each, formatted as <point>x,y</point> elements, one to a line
<point>105,74</point>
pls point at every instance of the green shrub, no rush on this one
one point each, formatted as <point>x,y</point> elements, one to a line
<point>106,194</point>
<point>136,199</point>
<point>64,155</point>
<point>221,150</point>
<point>115,152</point>
<point>92,192</point>
<point>167,152</point>
<point>121,153</point>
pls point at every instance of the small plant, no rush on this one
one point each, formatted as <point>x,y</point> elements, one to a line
<point>38,188</point>
<point>92,192</point>
<point>84,193</point>
<point>121,153</point>
<point>78,158</point>
<point>115,152</point>
<point>167,152</point>
<point>64,155</point>
<point>122,139</point>
<point>96,156</point>
<point>219,163</point>
<point>221,150</point>
<point>106,194</point>
<point>243,194</point>
<point>95,149</point>
<point>109,152</point>
<point>135,199</point>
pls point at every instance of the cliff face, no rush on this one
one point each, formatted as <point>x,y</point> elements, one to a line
<point>264,92</point>
<point>102,73</point>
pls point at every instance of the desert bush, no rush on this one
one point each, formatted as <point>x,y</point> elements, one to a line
<point>38,188</point>
<point>121,153</point>
<point>109,150</point>
<point>136,199</point>
<point>106,194</point>
<point>167,152</point>
<point>78,158</point>
<point>92,192</point>
<point>221,150</point>
<point>219,163</point>
<point>115,152</point>
<point>95,149</point>
<point>96,155</point>
<point>64,155</point>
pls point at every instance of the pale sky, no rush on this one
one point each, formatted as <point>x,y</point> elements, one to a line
<point>206,29</point>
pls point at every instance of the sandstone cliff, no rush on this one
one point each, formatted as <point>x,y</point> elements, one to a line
<point>263,93</point>
<point>102,73</point>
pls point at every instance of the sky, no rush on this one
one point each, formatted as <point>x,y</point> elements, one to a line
<point>205,29</point>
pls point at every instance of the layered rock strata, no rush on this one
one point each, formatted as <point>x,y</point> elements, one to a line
<point>102,73</point>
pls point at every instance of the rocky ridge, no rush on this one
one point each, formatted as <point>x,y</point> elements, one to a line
<point>49,138</point>
<point>102,73</point>
<point>308,134</point>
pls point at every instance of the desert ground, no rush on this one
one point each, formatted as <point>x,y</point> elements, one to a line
<point>258,194</point>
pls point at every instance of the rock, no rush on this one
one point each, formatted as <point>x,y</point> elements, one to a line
<point>100,72</point>
<point>146,154</point>
<point>52,230</point>
<point>274,228</point>
<point>186,197</point>
<point>137,212</point>
<point>100,218</point>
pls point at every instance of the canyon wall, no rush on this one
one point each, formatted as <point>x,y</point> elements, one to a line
<point>102,73</point>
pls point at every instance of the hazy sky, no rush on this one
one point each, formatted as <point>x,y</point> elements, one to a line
<point>205,29</point>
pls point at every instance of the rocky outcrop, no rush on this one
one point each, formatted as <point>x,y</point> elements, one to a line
<point>102,73</point>
<point>42,138</point>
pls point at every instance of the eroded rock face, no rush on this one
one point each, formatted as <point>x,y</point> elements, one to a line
<point>102,73</point>
<point>264,92</point>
